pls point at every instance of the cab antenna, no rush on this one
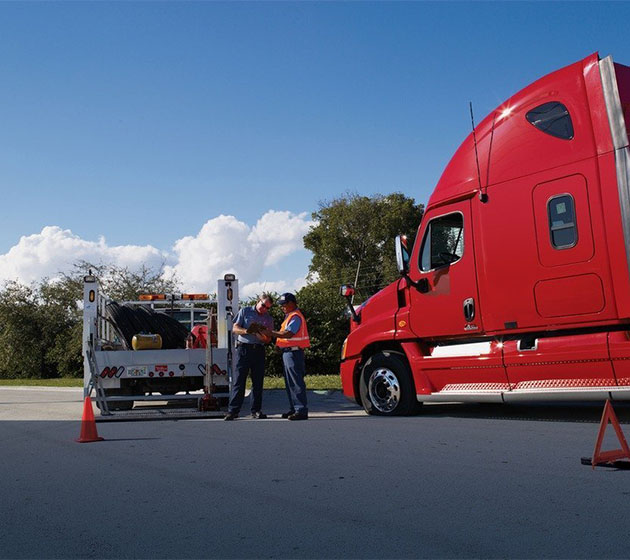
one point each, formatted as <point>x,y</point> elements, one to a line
<point>483,197</point>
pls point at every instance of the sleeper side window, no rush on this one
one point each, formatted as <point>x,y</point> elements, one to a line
<point>552,118</point>
<point>562,223</point>
<point>443,242</point>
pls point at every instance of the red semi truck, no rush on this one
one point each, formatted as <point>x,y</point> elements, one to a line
<point>518,284</point>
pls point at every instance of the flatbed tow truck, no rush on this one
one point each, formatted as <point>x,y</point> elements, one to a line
<point>157,382</point>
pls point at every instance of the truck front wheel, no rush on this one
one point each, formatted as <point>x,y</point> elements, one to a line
<point>386,386</point>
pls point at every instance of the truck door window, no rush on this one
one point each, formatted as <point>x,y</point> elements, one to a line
<point>552,118</point>
<point>562,224</point>
<point>443,242</point>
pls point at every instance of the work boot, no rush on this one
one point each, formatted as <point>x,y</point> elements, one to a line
<point>230,416</point>
<point>287,414</point>
<point>299,416</point>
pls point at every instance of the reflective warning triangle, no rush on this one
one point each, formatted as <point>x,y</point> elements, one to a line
<point>600,456</point>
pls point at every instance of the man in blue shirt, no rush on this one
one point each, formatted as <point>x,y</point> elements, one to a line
<point>250,356</point>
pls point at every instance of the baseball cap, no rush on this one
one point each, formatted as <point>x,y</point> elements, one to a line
<point>286,298</point>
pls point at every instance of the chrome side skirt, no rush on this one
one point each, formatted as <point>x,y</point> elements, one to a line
<point>531,395</point>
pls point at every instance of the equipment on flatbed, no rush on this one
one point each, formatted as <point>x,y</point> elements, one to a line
<point>119,376</point>
<point>146,342</point>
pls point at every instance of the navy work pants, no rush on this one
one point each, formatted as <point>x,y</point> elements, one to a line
<point>293,361</point>
<point>250,358</point>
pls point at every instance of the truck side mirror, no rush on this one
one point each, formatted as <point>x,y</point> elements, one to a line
<point>422,285</point>
<point>402,254</point>
<point>347,291</point>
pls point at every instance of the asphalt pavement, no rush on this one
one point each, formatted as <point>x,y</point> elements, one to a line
<point>455,482</point>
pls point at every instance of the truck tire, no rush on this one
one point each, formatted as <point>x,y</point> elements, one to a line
<point>386,386</point>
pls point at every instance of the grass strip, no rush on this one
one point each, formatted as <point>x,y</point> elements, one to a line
<point>63,382</point>
<point>313,382</point>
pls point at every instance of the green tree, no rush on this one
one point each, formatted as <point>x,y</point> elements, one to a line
<point>21,344</point>
<point>354,239</point>
<point>61,316</point>
<point>327,322</point>
<point>41,324</point>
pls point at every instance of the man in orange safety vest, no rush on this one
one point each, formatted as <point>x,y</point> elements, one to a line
<point>291,339</point>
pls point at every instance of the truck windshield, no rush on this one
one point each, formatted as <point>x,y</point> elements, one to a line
<point>443,242</point>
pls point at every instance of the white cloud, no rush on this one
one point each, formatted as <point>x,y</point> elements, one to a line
<point>220,247</point>
<point>223,245</point>
<point>55,250</point>
<point>280,286</point>
<point>278,234</point>
<point>226,244</point>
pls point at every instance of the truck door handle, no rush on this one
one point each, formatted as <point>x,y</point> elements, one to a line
<point>469,309</point>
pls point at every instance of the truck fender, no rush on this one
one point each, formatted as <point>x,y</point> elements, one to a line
<point>415,351</point>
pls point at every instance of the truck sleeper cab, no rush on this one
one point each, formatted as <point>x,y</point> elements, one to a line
<point>517,288</point>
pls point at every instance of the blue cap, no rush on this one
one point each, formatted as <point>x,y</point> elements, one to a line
<point>286,298</point>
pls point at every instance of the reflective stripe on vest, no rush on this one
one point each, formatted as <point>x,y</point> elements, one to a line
<point>300,338</point>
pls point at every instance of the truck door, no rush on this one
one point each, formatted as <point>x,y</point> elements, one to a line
<point>444,307</point>
<point>444,301</point>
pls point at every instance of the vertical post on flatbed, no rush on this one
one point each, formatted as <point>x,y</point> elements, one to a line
<point>92,313</point>
<point>209,378</point>
<point>90,326</point>
<point>227,305</point>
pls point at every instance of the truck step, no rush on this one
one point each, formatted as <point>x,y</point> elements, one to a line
<point>147,413</point>
<point>178,397</point>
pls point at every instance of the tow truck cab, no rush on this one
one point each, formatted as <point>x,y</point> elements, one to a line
<point>518,285</point>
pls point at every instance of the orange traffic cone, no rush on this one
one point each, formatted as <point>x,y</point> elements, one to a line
<point>88,424</point>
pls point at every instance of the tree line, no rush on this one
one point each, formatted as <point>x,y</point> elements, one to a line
<point>352,242</point>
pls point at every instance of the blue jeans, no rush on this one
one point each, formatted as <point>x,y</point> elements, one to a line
<point>293,361</point>
<point>250,358</point>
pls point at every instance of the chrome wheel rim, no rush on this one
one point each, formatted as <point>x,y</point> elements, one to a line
<point>384,390</point>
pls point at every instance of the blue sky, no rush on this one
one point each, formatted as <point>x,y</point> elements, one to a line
<point>136,124</point>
